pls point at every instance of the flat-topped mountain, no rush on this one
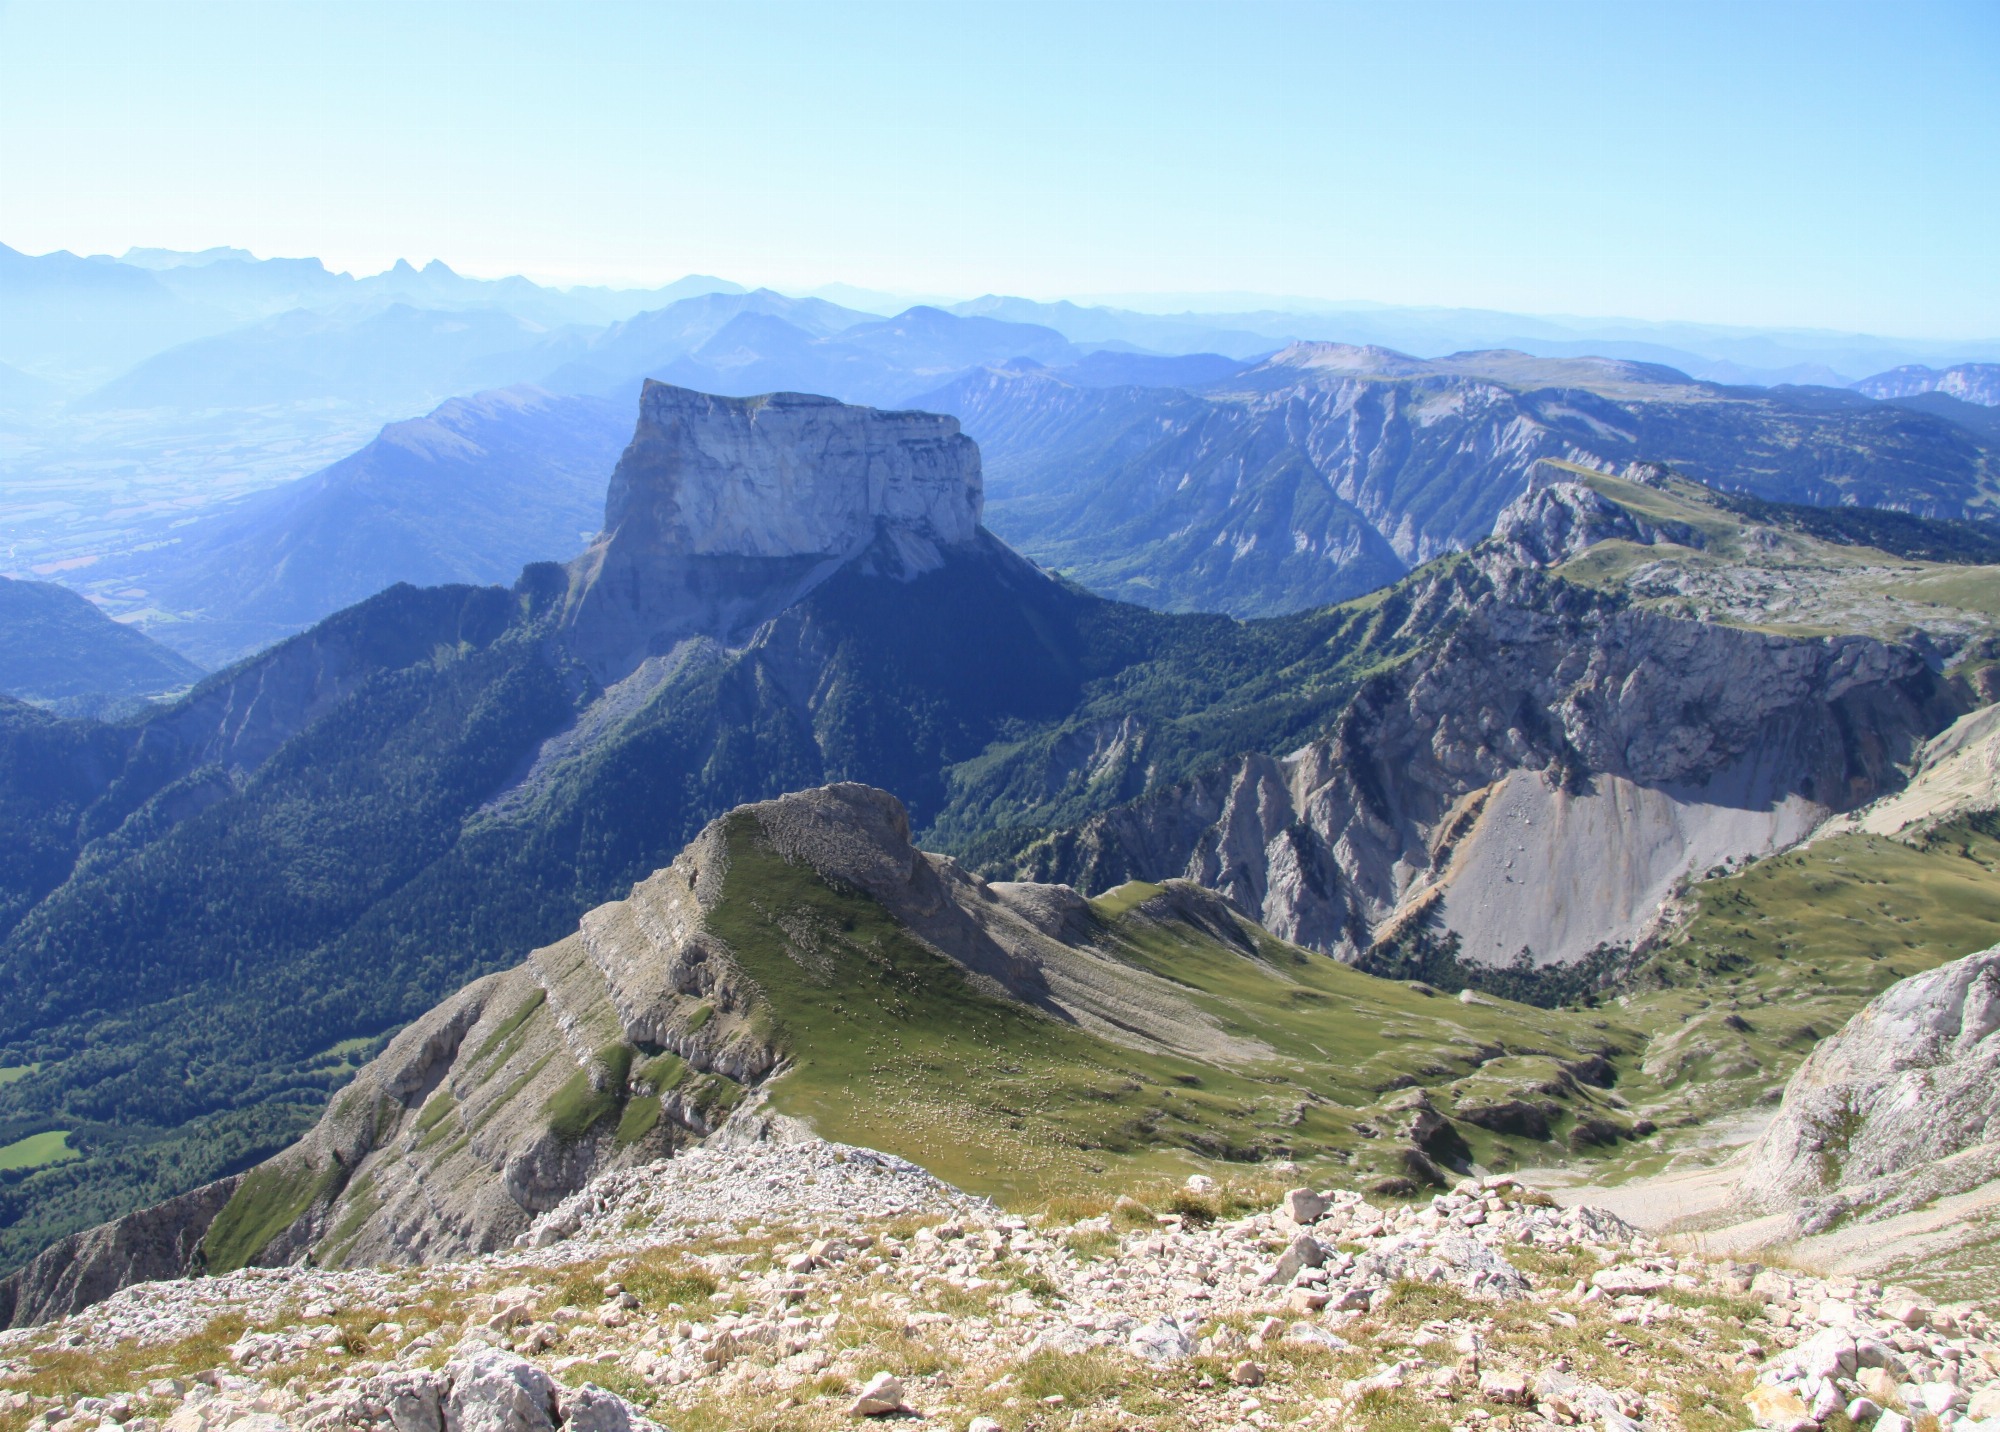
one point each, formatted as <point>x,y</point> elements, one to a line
<point>723,511</point>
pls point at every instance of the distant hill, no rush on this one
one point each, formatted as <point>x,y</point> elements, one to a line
<point>1970,382</point>
<point>56,647</point>
<point>410,357</point>
<point>470,493</point>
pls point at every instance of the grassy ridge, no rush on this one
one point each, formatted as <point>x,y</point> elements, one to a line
<point>892,1047</point>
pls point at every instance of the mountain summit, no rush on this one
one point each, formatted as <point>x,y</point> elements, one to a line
<point>723,511</point>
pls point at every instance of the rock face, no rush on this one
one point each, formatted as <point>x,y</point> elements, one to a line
<point>158,1242</point>
<point>1557,518</point>
<point>1485,779</point>
<point>1899,1108</point>
<point>725,510</point>
<point>1327,470</point>
<point>1968,382</point>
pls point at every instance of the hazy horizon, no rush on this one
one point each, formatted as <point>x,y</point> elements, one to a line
<point>1159,303</point>
<point>1761,166</point>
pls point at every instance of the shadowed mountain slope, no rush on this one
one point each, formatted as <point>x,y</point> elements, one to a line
<point>472,492</point>
<point>55,646</point>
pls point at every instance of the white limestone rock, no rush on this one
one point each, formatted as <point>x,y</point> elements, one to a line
<point>1900,1107</point>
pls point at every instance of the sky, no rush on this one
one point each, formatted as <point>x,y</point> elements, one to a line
<point>1816,164</point>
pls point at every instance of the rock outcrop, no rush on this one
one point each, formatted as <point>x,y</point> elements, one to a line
<point>723,511</point>
<point>163,1241</point>
<point>1899,1108</point>
<point>1537,778</point>
<point>1558,518</point>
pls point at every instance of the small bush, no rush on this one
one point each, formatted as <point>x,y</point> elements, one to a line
<point>656,1284</point>
<point>1200,1209</point>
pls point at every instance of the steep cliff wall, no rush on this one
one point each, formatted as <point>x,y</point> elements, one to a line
<point>723,511</point>
<point>1537,779</point>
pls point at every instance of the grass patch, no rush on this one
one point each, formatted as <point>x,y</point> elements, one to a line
<point>1077,1378</point>
<point>891,1046</point>
<point>640,1118</point>
<point>510,1024</point>
<point>38,1150</point>
<point>265,1204</point>
<point>658,1281</point>
<point>590,1094</point>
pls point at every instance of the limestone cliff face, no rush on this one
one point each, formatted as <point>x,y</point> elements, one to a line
<point>725,510</point>
<point>1900,1108</point>
<point>1538,777</point>
<point>163,1241</point>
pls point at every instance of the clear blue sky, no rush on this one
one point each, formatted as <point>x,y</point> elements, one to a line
<point>1812,164</point>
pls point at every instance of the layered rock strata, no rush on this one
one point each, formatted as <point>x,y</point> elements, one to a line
<point>1537,778</point>
<point>723,511</point>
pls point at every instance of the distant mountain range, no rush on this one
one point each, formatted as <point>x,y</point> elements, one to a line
<point>1194,482</point>
<point>150,399</point>
<point>471,493</point>
<point>1970,382</point>
<point>73,319</point>
<point>1328,471</point>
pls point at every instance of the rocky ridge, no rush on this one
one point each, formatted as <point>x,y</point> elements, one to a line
<point>1327,470</point>
<point>1477,783</point>
<point>637,1035</point>
<point>1972,382</point>
<point>817,1283</point>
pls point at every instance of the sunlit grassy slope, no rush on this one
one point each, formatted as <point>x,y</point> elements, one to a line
<point>891,1046</point>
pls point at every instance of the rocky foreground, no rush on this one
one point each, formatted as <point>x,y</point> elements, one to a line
<point>780,1281</point>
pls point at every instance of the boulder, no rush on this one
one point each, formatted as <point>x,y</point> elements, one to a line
<point>1777,1406</point>
<point>1508,1387</point>
<point>1161,1342</point>
<point>1911,1081</point>
<point>412,1399</point>
<point>1302,1206</point>
<point>495,1391</point>
<point>879,1396</point>
<point>1305,1252</point>
<point>593,1409</point>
